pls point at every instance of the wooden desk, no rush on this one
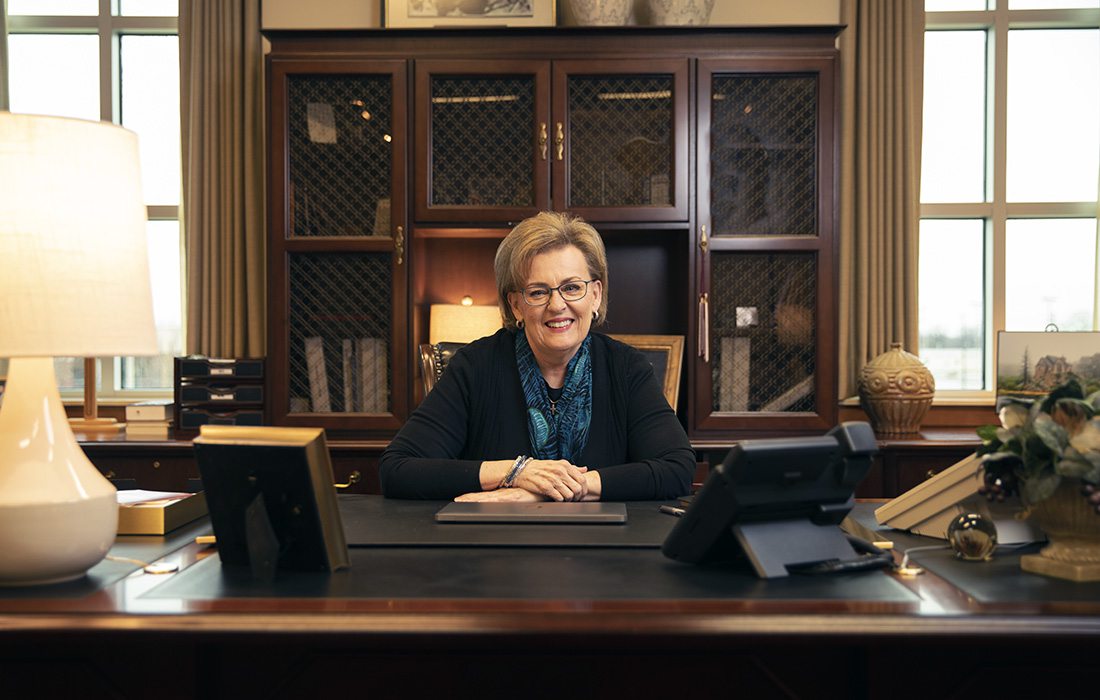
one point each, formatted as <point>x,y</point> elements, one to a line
<point>553,622</point>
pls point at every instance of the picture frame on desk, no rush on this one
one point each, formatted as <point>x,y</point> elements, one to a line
<point>469,13</point>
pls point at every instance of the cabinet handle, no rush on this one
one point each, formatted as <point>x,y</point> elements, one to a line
<point>542,139</point>
<point>703,243</point>
<point>353,478</point>
<point>559,140</point>
<point>704,326</point>
<point>399,244</point>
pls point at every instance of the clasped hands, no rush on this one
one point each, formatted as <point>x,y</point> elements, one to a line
<point>540,480</point>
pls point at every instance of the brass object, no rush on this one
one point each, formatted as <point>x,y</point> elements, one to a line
<point>1072,527</point>
<point>399,244</point>
<point>704,326</point>
<point>559,139</point>
<point>542,139</point>
<point>896,390</point>
<point>703,243</point>
<point>353,478</point>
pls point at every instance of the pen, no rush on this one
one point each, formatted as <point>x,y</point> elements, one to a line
<point>672,510</point>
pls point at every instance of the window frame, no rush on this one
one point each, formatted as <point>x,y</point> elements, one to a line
<point>109,27</point>
<point>996,211</point>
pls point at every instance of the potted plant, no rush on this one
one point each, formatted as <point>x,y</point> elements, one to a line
<point>1048,452</point>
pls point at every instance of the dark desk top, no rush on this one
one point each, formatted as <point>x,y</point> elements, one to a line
<point>424,588</point>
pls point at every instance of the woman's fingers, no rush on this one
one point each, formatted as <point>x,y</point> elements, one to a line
<point>556,479</point>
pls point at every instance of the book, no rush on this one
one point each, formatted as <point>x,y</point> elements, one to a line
<point>318,378</point>
<point>156,429</point>
<point>156,410</point>
<point>142,512</point>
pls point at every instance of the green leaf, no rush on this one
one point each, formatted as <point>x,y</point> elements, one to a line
<point>1053,435</point>
<point>1039,488</point>
<point>1073,465</point>
<point>988,433</point>
<point>1070,390</point>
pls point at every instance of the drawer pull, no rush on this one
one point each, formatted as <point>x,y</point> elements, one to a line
<point>353,478</point>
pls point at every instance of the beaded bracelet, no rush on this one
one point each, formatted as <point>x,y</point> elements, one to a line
<point>513,472</point>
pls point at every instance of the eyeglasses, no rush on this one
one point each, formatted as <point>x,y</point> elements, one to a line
<point>539,294</point>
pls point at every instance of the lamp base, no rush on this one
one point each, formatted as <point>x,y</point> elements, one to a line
<point>58,514</point>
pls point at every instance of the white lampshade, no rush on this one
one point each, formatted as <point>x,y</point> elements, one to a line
<point>455,323</point>
<point>75,282</point>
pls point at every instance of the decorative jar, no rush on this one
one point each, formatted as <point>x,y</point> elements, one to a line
<point>606,13</point>
<point>680,12</point>
<point>896,390</point>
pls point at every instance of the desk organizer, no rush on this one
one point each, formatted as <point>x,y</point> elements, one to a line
<point>213,391</point>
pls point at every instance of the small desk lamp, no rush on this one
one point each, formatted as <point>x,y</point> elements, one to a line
<point>75,283</point>
<point>462,323</point>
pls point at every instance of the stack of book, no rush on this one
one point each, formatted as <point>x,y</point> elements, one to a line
<point>149,420</point>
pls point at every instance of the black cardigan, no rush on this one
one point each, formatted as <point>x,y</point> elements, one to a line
<point>477,412</point>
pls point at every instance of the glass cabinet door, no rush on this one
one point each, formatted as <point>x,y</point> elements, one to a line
<point>766,353</point>
<point>620,139</point>
<point>483,140</point>
<point>338,254</point>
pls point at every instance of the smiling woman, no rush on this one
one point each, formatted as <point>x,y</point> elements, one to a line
<point>545,409</point>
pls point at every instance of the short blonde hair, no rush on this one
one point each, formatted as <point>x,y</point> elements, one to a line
<point>538,234</point>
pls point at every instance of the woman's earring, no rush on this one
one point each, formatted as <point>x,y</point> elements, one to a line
<point>519,324</point>
<point>596,315</point>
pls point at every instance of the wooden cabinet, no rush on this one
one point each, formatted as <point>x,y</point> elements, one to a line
<point>497,141</point>
<point>705,156</point>
<point>766,349</point>
<point>338,255</point>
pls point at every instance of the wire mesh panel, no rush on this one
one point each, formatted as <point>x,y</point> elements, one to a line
<point>340,155</point>
<point>339,332</point>
<point>764,166</point>
<point>762,332</point>
<point>482,141</point>
<point>620,138</point>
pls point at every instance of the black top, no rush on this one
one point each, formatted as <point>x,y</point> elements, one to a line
<point>477,412</point>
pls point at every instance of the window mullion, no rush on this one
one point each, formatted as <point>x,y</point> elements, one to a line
<point>998,82</point>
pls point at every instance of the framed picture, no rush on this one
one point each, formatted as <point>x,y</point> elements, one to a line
<point>665,353</point>
<point>470,13</point>
<point>1031,364</point>
<point>271,498</point>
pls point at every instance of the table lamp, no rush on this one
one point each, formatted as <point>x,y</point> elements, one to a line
<point>462,323</point>
<point>75,283</point>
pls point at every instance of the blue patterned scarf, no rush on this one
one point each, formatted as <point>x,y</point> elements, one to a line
<point>563,433</point>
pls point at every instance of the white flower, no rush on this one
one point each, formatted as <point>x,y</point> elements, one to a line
<point>1013,415</point>
<point>1087,439</point>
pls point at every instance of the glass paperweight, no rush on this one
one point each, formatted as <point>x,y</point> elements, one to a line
<point>972,536</point>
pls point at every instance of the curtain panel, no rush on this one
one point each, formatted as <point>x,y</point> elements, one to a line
<point>882,58</point>
<point>221,112</point>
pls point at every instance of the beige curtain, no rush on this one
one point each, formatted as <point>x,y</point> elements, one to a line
<point>221,94</point>
<point>882,57</point>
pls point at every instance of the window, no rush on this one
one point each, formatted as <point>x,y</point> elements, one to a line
<point>1010,167</point>
<point>112,60</point>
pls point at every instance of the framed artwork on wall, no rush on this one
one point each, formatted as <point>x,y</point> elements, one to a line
<point>469,13</point>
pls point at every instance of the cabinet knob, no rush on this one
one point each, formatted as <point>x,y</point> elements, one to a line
<point>156,464</point>
<point>703,243</point>
<point>399,244</point>
<point>542,138</point>
<point>353,478</point>
<point>559,139</point>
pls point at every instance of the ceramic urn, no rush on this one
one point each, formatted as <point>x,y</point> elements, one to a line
<point>895,390</point>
